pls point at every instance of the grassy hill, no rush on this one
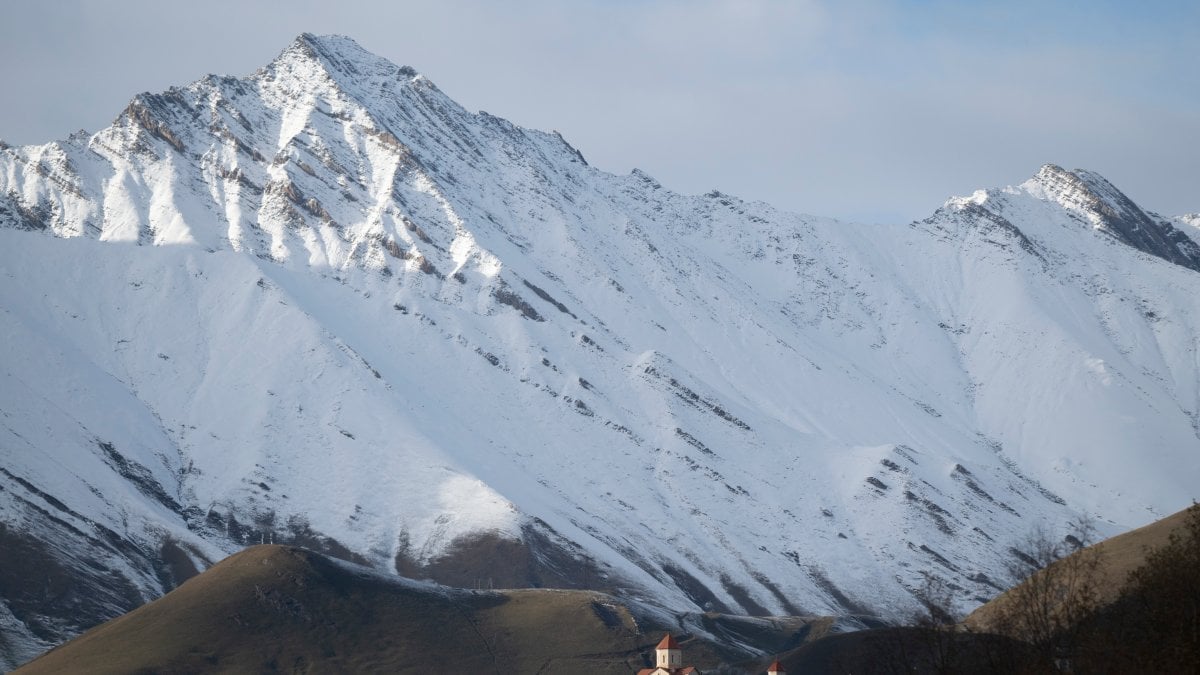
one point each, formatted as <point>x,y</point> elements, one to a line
<point>1140,623</point>
<point>1115,559</point>
<point>284,609</point>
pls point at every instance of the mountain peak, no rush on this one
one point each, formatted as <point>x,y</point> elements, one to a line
<point>1081,189</point>
<point>1091,195</point>
<point>340,58</point>
<point>334,49</point>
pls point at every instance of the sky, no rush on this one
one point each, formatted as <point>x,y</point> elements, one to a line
<point>867,110</point>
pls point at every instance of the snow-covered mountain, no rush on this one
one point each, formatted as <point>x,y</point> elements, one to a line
<point>325,304</point>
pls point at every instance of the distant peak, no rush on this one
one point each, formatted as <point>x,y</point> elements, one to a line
<point>1190,219</point>
<point>341,57</point>
<point>1051,171</point>
<point>645,177</point>
<point>1056,178</point>
<point>1109,210</point>
<point>1080,190</point>
<point>327,45</point>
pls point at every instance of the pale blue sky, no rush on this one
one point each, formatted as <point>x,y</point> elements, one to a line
<point>869,110</point>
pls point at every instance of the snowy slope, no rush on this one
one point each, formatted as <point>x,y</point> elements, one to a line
<point>326,304</point>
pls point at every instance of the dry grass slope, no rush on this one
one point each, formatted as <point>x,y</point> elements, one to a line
<point>1119,556</point>
<point>285,609</point>
<point>281,609</point>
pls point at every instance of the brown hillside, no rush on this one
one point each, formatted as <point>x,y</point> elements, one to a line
<point>1120,555</point>
<point>986,644</point>
<point>276,608</point>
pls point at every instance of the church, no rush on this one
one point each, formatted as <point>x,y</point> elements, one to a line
<point>668,659</point>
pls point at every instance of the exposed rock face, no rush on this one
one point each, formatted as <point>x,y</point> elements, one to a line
<point>1109,210</point>
<point>326,305</point>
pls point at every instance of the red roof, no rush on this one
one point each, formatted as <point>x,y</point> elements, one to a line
<point>668,642</point>
<point>775,668</point>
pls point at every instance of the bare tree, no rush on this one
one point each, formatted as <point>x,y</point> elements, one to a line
<point>937,621</point>
<point>927,643</point>
<point>1162,601</point>
<point>1056,589</point>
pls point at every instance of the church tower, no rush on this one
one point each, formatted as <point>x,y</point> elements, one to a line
<point>670,656</point>
<point>668,660</point>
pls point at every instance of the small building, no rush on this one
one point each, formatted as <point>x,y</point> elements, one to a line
<point>776,668</point>
<point>668,660</point>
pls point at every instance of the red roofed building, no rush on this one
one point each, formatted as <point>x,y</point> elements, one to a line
<point>668,660</point>
<point>776,668</point>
